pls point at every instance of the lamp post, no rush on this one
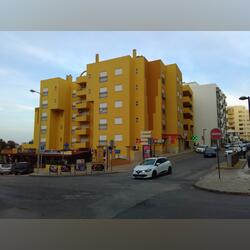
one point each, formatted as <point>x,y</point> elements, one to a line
<point>39,128</point>
<point>242,98</point>
<point>203,135</point>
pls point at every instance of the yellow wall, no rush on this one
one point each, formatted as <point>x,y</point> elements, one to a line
<point>142,97</point>
<point>174,101</point>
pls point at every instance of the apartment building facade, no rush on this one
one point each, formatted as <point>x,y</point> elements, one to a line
<point>209,108</point>
<point>238,123</point>
<point>113,101</point>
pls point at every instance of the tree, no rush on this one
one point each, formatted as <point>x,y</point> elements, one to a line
<point>11,144</point>
<point>3,144</point>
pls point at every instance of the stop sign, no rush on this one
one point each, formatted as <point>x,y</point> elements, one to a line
<point>216,134</point>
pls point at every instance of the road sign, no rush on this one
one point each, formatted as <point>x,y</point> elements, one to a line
<point>146,137</point>
<point>215,134</point>
<point>194,138</point>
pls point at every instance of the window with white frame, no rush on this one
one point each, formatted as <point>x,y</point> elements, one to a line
<point>103,76</point>
<point>118,120</point>
<point>118,138</point>
<point>102,139</point>
<point>43,140</point>
<point>118,87</point>
<point>44,104</point>
<point>45,91</point>
<point>44,116</point>
<point>43,128</point>
<point>103,124</point>
<point>118,104</point>
<point>73,140</point>
<point>118,72</point>
<point>103,108</point>
<point>74,94</point>
<point>74,116</point>
<point>103,92</point>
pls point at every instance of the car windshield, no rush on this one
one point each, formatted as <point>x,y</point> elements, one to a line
<point>148,162</point>
<point>210,150</point>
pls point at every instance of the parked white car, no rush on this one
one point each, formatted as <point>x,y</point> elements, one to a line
<point>201,148</point>
<point>5,168</point>
<point>151,167</point>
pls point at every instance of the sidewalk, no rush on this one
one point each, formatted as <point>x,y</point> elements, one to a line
<point>233,181</point>
<point>115,169</point>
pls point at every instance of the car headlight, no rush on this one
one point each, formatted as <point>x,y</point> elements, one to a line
<point>148,170</point>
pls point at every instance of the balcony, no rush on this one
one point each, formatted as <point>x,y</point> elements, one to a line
<point>187,100</point>
<point>82,105</point>
<point>82,131</point>
<point>189,122</point>
<point>81,92</point>
<point>82,118</point>
<point>79,145</point>
<point>187,111</point>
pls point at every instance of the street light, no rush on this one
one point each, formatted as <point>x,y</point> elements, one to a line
<point>242,98</point>
<point>38,148</point>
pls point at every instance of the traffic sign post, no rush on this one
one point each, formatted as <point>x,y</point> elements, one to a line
<point>216,134</point>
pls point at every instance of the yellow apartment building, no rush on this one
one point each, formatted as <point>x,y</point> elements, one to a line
<point>238,123</point>
<point>113,101</point>
<point>187,100</point>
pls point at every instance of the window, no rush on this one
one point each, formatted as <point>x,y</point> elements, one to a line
<point>118,72</point>
<point>43,129</point>
<point>103,92</point>
<point>136,119</point>
<point>103,124</point>
<point>136,103</point>
<point>103,108</point>
<point>118,120</point>
<point>118,87</point>
<point>136,87</point>
<point>44,116</point>
<point>73,140</point>
<point>118,104</point>
<point>43,140</point>
<point>74,93</point>
<point>118,137</point>
<point>44,104</point>
<point>103,121</point>
<point>45,91</point>
<point>103,140</point>
<point>103,77</point>
<point>74,116</point>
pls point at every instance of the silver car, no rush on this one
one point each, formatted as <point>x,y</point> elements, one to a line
<point>5,168</point>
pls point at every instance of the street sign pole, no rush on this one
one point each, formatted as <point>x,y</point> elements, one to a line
<point>218,158</point>
<point>216,134</point>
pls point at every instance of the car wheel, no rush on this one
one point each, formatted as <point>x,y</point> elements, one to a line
<point>154,174</point>
<point>169,170</point>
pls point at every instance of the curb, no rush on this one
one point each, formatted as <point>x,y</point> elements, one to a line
<point>56,176</point>
<point>220,191</point>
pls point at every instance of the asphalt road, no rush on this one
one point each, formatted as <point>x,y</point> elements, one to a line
<point>120,196</point>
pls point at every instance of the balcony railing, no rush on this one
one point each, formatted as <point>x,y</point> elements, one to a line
<point>81,92</point>
<point>82,105</point>
<point>82,131</point>
<point>82,118</point>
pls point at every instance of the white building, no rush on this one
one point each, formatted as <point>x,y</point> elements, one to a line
<point>209,108</point>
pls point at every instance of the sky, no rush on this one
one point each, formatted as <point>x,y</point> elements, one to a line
<point>28,57</point>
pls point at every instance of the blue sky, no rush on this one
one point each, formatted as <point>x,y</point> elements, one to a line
<point>28,57</point>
